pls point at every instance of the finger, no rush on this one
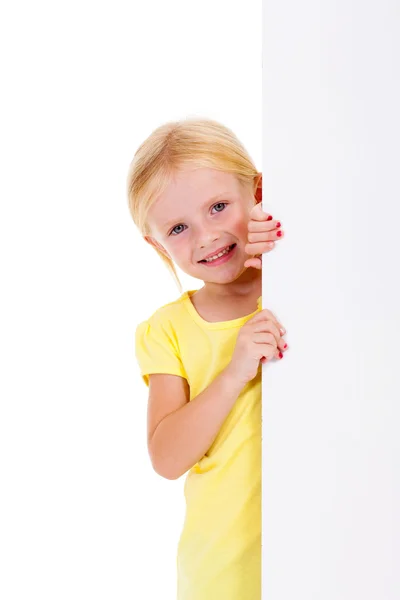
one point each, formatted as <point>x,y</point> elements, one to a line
<point>282,345</point>
<point>255,226</point>
<point>267,359</point>
<point>252,247</point>
<point>278,354</point>
<point>253,262</point>
<point>257,248</point>
<point>261,236</point>
<point>266,352</point>
<point>258,214</point>
<point>260,247</point>
<point>269,328</point>
<point>266,337</point>
<point>265,315</point>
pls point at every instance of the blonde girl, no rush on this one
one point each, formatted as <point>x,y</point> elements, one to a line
<point>194,194</point>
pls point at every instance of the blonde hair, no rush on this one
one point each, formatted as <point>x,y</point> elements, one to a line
<point>195,142</point>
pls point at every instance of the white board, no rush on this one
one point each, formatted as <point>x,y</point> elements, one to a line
<point>331,131</point>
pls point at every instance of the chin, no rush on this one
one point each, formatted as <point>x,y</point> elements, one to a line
<point>226,277</point>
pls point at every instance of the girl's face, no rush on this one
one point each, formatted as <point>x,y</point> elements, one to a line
<point>200,221</point>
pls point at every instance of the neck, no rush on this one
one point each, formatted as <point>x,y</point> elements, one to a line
<point>249,282</point>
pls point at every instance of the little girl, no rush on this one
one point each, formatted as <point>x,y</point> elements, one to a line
<point>194,194</point>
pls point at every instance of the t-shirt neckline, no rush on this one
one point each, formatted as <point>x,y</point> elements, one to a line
<point>216,324</point>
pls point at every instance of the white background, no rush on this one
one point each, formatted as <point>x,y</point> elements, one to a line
<point>82,513</point>
<point>331,415</point>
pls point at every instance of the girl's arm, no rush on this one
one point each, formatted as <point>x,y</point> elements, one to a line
<point>180,432</point>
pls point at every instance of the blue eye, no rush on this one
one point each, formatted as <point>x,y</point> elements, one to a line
<point>220,206</point>
<point>177,229</point>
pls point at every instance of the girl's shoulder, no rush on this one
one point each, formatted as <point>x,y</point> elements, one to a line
<point>169,312</point>
<point>164,328</point>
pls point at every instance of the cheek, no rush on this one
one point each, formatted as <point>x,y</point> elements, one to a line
<point>177,246</point>
<point>238,224</point>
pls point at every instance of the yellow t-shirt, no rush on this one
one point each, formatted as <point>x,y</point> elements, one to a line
<point>219,551</point>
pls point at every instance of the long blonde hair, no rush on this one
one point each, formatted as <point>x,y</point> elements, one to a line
<point>195,142</point>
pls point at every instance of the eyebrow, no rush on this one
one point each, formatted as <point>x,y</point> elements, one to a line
<point>175,222</point>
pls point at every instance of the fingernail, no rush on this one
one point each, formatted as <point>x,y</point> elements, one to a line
<point>279,233</point>
<point>280,355</point>
<point>278,224</point>
<point>285,346</point>
<point>269,218</point>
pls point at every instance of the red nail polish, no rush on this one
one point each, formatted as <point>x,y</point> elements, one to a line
<point>269,218</point>
<point>279,233</point>
<point>278,224</point>
<point>285,346</point>
<point>280,355</point>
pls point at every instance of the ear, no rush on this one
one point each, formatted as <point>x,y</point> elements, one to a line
<point>258,188</point>
<point>153,242</point>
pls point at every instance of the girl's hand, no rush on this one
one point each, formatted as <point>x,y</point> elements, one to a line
<point>263,232</point>
<point>260,339</point>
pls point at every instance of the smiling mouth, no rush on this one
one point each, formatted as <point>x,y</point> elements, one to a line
<point>215,257</point>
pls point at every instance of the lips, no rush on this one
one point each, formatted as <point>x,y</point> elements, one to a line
<point>217,254</point>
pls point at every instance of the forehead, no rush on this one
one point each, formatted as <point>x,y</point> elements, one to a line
<point>191,188</point>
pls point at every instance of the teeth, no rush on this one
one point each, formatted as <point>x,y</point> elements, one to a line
<point>217,255</point>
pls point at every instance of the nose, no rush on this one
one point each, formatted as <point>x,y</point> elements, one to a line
<point>205,237</point>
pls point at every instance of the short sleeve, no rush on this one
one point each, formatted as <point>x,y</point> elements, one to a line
<point>156,351</point>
